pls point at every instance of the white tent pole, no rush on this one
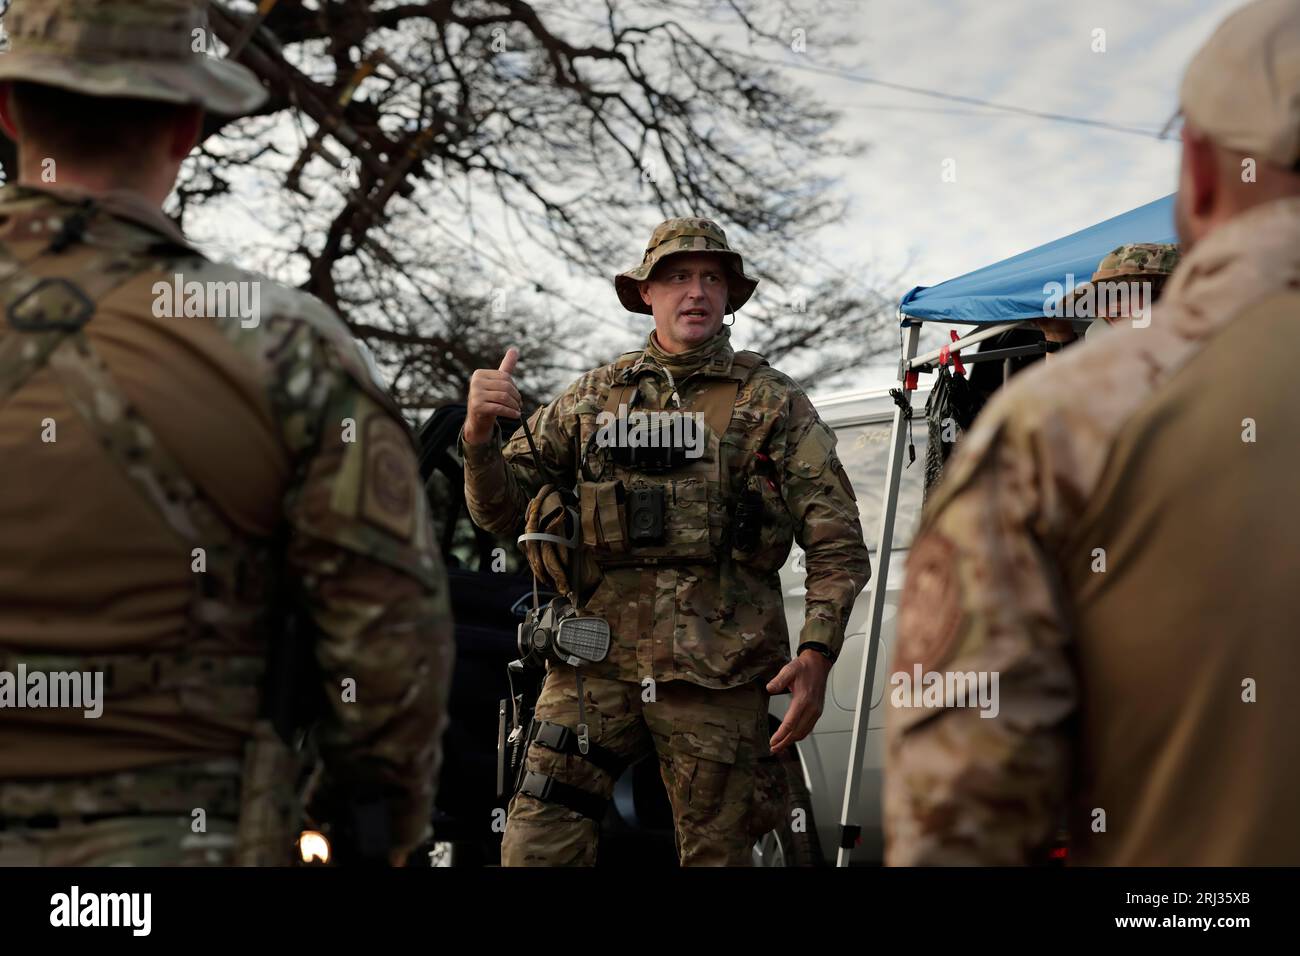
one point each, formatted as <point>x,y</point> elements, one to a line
<point>966,341</point>
<point>849,827</point>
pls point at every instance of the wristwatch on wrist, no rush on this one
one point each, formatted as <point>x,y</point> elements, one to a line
<point>817,646</point>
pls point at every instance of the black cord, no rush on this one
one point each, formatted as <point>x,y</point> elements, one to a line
<point>900,398</point>
<point>541,465</point>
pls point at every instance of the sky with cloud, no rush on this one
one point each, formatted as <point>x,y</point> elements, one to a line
<point>1019,181</point>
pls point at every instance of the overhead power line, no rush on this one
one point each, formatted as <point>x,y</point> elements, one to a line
<point>951,97</point>
<point>914,90</point>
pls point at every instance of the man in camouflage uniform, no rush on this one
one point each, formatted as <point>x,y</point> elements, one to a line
<point>698,625</point>
<point>1116,540</point>
<point>1125,285</point>
<point>171,481</point>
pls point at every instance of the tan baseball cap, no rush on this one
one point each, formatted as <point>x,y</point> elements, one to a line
<point>1242,89</point>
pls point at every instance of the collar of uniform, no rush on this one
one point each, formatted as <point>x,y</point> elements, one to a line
<point>120,203</point>
<point>1248,258</point>
<point>714,355</point>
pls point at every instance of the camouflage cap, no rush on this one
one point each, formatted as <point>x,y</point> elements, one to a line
<point>1138,259</point>
<point>1132,261</point>
<point>136,49</point>
<point>673,236</point>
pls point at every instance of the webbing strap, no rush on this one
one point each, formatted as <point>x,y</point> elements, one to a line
<point>718,398</point>
<point>618,395</point>
<point>127,437</point>
<point>602,515</point>
<point>42,313</point>
<point>717,402</point>
<point>547,789</point>
<point>561,739</point>
<point>21,356</point>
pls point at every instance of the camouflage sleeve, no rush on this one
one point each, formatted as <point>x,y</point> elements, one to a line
<point>980,781</point>
<point>362,544</point>
<point>820,498</point>
<point>500,480</point>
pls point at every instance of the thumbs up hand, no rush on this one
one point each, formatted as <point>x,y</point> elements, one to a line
<point>492,392</point>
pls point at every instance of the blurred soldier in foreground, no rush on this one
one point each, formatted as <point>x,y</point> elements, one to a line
<point>179,486</point>
<point>1115,542</point>
<point>681,549</point>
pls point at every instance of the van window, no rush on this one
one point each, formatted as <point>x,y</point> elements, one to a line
<point>864,451</point>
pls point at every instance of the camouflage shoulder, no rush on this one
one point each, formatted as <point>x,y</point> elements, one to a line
<point>16,200</point>
<point>587,393</point>
<point>285,312</point>
<point>771,377</point>
<point>749,360</point>
<point>769,387</point>
<point>353,355</point>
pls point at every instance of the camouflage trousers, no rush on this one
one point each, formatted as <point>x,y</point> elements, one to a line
<point>179,815</point>
<point>708,743</point>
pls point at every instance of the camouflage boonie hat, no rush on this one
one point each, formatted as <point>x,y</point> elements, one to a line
<point>685,235</point>
<point>1135,261</point>
<point>136,49</point>
<point>1138,259</point>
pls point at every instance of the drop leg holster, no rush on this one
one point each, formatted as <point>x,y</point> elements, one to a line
<point>547,789</point>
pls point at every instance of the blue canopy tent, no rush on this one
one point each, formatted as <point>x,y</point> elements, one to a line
<point>995,299</point>
<point>1013,289</point>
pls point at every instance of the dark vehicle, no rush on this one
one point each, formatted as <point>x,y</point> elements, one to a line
<point>491,588</point>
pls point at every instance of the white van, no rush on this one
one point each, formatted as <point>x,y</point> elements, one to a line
<point>862,421</point>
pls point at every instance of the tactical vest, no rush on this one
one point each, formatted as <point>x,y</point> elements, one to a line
<point>232,601</point>
<point>681,509</point>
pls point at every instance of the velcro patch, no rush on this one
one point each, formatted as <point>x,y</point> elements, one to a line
<point>929,617</point>
<point>813,452</point>
<point>389,478</point>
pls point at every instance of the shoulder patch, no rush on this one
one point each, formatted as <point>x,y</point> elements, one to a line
<point>389,483</point>
<point>815,449</point>
<point>929,617</point>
